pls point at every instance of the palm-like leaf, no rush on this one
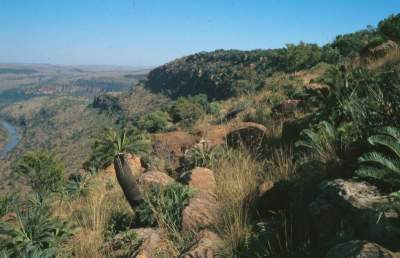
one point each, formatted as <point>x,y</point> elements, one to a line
<point>322,141</point>
<point>111,149</point>
<point>119,142</point>
<point>379,165</point>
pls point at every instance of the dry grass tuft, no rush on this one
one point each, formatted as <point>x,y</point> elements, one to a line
<point>281,165</point>
<point>90,213</point>
<point>238,175</point>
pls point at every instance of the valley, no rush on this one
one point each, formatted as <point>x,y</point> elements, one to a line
<point>292,152</point>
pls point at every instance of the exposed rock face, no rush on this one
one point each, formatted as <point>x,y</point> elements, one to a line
<point>152,242</point>
<point>171,146</point>
<point>155,177</point>
<point>248,133</point>
<point>207,245</point>
<point>219,134</point>
<point>350,207</point>
<point>360,249</point>
<point>202,208</point>
<point>288,106</point>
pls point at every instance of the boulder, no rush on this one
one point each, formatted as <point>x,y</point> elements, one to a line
<point>360,249</point>
<point>220,134</point>
<point>288,106</point>
<point>350,208</point>
<point>207,245</point>
<point>171,147</point>
<point>155,177</point>
<point>247,133</point>
<point>152,242</point>
<point>201,210</point>
<point>203,179</point>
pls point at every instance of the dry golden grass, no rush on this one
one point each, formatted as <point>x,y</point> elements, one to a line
<point>90,213</point>
<point>238,175</point>
<point>281,165</point>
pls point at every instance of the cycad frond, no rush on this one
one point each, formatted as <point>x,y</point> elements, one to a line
<point>382,166</point>
<point>381,160</point>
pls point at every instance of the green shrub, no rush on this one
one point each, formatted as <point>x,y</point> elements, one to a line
<point>390,27</point>
<point>201,155</point>
<point>323,142</point>
<point>187,110</point>
<point>164,205</point>
<point>117,223</point>
<point>156,121</point>
<point>7,203</point>
<point>43,171</point>
<point>37,233</point>
<point>77,185</point>
<point>214,108</point>
<point>261,115</point>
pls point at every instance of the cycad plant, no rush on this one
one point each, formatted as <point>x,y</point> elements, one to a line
<point>383,165</point>
<point>322,142</point>
<point>112,148</point>
<point>36,233</point>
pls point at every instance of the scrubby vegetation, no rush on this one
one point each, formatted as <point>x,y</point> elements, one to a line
<point>325,113</point>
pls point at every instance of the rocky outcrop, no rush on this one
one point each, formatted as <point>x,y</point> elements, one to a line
<point>207,245</point>
<point>155,177</point>
<point>288,106</point>
<point>360,249</point>
<point>220,134</point>
<point>152,242</point>
<point>350,208</point>
<point>171,147</point>
<point>201,209</point>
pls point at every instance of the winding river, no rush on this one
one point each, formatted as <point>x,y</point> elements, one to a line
<point>13,138</point>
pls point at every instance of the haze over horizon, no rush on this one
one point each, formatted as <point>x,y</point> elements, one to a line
<point>145,33</point>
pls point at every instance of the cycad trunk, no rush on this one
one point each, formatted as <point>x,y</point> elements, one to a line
<point>127,181</point>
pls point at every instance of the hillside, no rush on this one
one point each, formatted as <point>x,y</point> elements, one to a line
<point>280,153</point>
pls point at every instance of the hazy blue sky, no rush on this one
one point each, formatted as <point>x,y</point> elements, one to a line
<point>151,32</point>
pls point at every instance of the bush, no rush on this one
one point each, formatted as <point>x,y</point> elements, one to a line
<point>323,141</point>
<point>187,110</point>
<point>261,115</point>
<point>7,203</point>
<point>164,205</point>
<point>37,233</point>
<point>201,155</point>
<point>43,171</point>
<point>390,27</point>
<point>154,122</point>
<point>118,222</point>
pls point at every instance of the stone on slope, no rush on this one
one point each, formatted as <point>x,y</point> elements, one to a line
<point>207,245</point>
<point>350,207</point>
<point>360,249</point>
<point>202,208</point>
<point>155,177</point>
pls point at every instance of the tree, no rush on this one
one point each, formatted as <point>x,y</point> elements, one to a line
<point>383,165</point>
<point>112,149</point>
<point>390,28</point>
<point>156,121</point>
<point>43,171</point>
